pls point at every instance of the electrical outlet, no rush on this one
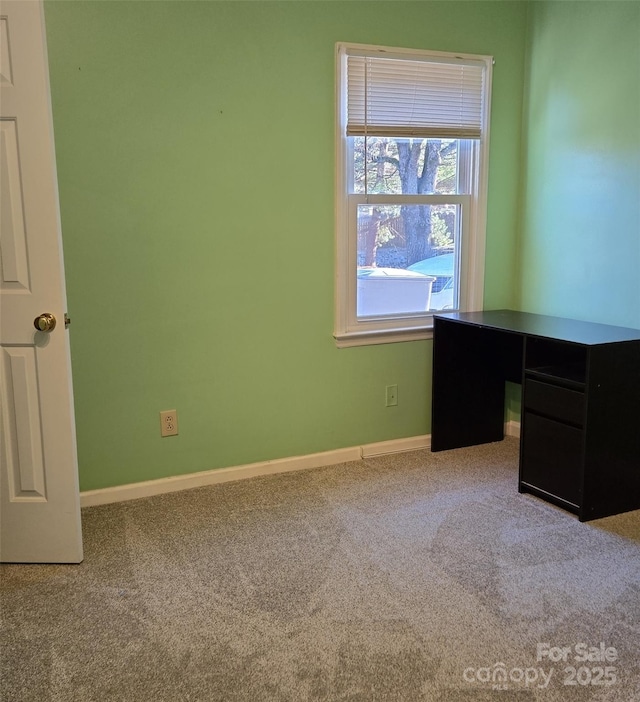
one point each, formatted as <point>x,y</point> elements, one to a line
<point>392,395</point>
<point>168,423</point>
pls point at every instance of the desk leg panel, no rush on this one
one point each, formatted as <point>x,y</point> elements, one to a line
<point>468,387</point>
<point>612,456</point>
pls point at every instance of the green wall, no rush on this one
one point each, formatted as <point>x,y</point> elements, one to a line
<point>195,151</point>
<point>580,248</point>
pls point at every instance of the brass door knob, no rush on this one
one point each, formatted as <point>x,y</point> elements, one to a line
<point>45,322</point>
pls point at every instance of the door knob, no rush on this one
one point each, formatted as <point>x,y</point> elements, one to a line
<point>45,322</point>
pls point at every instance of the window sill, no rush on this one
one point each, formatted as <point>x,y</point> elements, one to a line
<point>389,336</point>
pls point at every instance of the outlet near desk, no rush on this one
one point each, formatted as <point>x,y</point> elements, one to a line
<point>168,422</point>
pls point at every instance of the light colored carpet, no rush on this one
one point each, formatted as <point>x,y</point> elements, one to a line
<point>410,577</point>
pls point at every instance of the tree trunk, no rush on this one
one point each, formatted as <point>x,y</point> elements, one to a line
<point>417,218</point>
<point>417,228</point>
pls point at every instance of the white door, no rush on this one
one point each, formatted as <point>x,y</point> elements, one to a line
<point>39,498</point>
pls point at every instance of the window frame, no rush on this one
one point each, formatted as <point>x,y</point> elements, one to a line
<point>349,331</point>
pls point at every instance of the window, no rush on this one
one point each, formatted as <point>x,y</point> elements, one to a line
<point>412,147</point>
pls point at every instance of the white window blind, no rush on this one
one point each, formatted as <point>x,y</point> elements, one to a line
<point>414,98</point>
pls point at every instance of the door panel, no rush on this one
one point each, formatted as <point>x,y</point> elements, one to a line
<point>15,268</point>
<point>25,460</point>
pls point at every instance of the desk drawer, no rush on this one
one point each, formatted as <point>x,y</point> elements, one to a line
<point>552,457</point>
<point>554,401</point>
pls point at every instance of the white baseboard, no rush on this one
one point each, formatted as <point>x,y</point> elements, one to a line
<point>412,443</point>
<point>133,491</point>
<point>148,488</point>
<point>512,428</point>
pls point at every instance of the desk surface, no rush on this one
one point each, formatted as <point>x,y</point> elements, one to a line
<point>570,330</point>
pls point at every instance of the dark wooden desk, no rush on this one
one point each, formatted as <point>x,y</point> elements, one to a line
<point>580,422</point>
